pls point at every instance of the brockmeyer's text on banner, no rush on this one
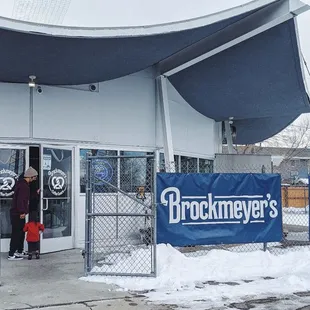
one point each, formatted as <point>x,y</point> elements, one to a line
<point>204,209</point>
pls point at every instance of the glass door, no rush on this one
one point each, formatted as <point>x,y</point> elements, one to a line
<point>56,198</point>
<point>13,161</point>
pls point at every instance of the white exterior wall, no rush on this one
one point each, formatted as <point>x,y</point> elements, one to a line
<point>14,107</point>
<point>122,115</point>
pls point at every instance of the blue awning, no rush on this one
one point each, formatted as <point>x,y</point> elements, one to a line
<point>72,61</point>
<point>258,82</point>
<point>260,77</point>
<point>258,129</point>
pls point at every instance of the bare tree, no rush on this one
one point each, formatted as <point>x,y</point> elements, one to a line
<point>294,138</point>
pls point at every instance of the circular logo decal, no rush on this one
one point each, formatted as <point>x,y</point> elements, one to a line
<point>7,182</point>
<point>57,182</point>
<point>103,171</point>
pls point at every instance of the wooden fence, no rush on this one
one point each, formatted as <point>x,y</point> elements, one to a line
<point>295,196</point>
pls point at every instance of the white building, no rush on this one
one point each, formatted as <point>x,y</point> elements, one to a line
<point>119,84</point>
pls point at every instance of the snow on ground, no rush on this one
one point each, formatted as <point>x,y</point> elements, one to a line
<point>296,216</point>
<point>182,280</point>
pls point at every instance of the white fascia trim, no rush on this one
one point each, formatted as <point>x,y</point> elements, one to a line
<point>106,32</point>
<point>278,19</point>
<point>80,144</point>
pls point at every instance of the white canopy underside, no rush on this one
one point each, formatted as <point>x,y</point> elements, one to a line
<point>116,13</point>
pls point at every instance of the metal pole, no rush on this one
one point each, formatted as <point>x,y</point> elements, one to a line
<point>228,136</point>
<point>154,217</point>
<point>30,112</point>
<point>117,193</point>
<point>264,171</point>
<point>309,206</point>
<point>88,202</point>
<point>0,245</point>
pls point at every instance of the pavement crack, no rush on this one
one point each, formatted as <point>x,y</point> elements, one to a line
<point>87,306</point>
<point>83,302</point>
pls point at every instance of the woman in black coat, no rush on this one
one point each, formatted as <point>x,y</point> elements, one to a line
<point>34,195</point>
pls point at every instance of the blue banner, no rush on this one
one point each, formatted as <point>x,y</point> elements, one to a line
<point>204,209</point>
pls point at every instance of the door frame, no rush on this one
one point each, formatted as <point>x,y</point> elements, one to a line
<point>54,244</point>
<point>5,242</point>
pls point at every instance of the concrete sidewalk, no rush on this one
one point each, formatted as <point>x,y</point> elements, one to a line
<point>52,280</point>
<point>52,283</point>
<point>116,304</point>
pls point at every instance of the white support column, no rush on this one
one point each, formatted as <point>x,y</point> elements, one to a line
<point>218,137</point>
<point>165,118</point>
<point>228,136</point>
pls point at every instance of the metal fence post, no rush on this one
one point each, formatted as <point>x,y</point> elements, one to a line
<point>0,247</point>
<point>309,207</point>
<point>117,196</point>
<point>155,216</point>
<point>264,171</point>
<point>88,201</point>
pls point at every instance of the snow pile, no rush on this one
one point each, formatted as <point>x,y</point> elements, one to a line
<point>182,278</point>
<point>296,216</point>
<point>296,210</point>
<point>138,262</point>
<point>303,180</point>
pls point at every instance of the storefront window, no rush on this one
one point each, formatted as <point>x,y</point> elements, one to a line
<point>205,165</point>
<point>188,164</point>
<point>105,170</point>
<point>162,164</point>
<point>135,172</point>
<point>12,165</point>
<point>177,163</point>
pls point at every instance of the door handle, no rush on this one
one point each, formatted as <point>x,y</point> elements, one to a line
<point>46,205</point>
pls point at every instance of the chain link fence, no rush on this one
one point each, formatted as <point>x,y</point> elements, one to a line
<point>121,210</point>
<point>295,210</point>
<point>120,216</point>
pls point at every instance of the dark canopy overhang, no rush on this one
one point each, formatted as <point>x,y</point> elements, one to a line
<point>260,77</point>
<point>259,129</point>
<point>257,81</point>
<point>59,60</point>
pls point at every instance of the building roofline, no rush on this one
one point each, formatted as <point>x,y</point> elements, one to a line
<point>131,31</point>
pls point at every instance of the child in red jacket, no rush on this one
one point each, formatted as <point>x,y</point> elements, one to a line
<point>33,229</point>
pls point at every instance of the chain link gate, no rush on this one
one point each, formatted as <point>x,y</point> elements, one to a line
<point>120,228</point>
